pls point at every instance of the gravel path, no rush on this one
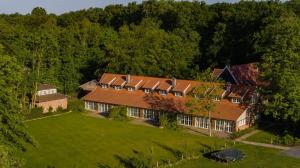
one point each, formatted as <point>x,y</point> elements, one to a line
<point>294,152</point>
<point>241,139</point>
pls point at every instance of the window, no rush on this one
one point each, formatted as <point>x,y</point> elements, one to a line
<point>118,87</point>
<point>178,94</point>
<point>163,92</point>
<point>91,105</point>
<point>235,100</point>
<point>133,112</point>
<point>185,119</point>
<point>104,86</point>
<point>242,122</point>
<point>217,98</point>
<point>223,125</point>
<point>147,90</point>
<point>253,99</point>
<point>202,122</point>
<point>104,108</point>
<point>149,114</point>
<point>130,89</point>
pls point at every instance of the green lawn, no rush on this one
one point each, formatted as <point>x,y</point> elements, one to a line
<point>76,140</point>
<point>271,138</point>
<point>263,137</point>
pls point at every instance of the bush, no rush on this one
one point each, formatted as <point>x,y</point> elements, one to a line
<point>9,159</point>
<point>50,110</point>
<point>35,113</point>
<point>287,140</point>
<point>169,121</point>
<point>76,105</point>
<point>60,109</point>
<point>118,113</point>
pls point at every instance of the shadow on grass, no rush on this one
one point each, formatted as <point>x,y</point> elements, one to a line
<point>101,165</point>
<point>175,152</point>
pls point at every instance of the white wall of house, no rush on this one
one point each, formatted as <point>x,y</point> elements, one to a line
<point>46,92</point>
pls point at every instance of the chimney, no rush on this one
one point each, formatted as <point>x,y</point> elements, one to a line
<point>127,78</point>
<point>173,82</point>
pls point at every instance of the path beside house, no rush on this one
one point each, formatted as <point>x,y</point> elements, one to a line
<point>265,145</point>
<point>247,135</point>
<point>294,152</point>
<point>241,139</point>
<point>55,115</point>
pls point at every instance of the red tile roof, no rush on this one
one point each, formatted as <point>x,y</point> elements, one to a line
<point>45,87</point>
<point>89,86</point>
<point>50,97</point>
<point>238,91</point>
<point>120,81</point>
<point>217,72</point>
<point>246,73</point>
<point>224,108</point>
<point>165,85</point>
<point>134,82</point>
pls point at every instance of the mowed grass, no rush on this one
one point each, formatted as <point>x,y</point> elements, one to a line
<point>76,140</point>
<point>263,137</point>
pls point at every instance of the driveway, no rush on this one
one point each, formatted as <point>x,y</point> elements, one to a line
<point>294,152</point>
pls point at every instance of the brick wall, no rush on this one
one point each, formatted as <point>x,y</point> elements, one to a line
<point>54,104</point>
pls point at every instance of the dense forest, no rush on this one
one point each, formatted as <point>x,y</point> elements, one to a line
<point>156,38</point>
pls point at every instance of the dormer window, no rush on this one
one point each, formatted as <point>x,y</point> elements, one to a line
<point>147,90</point>
<point>130,89</point>
<point>179,94</point>
<point>163,92</point>
<point>216,98</point>
<point>118,87</point>
<point>104,86</point>
<point>236,100</point>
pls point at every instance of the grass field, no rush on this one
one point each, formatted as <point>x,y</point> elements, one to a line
<point>76,140</point>
<point>263,137</point>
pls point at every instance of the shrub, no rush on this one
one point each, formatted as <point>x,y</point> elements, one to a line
<point>169,121</point>
<point>118,113</point>
<point>163,121</point>
<point>35,113</point>
<point>287,139</point>
<point>60,109</point>
<point>50,110</point>
<point>76,105</point>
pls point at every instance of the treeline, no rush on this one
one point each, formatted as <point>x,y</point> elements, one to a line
<point>162,38</point>
<point>158,38</point>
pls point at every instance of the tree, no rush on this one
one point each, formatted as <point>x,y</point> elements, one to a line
<point>279,44</point>
<point>202,100</point>
<point>12,131</point>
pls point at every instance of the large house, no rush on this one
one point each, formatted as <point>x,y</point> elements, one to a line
<point>47,97</point>
<point>149,97</point>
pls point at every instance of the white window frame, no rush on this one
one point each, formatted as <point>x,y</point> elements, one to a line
<point>118,87</point>
<point>179,94</point>
<point>186,120</point>
<point>130,89</point>
<point>235,100</point>
<point>201,122</point>
<point>133,112</point>
<point>242,122</point>
<point>217,98</point>
<point>223,125</point>
<point>104,108</point>
<point>147,90</point>
<point>149,114</point>
<point>104,86</point>
<point>89,105</point>
<point>163,92</point>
